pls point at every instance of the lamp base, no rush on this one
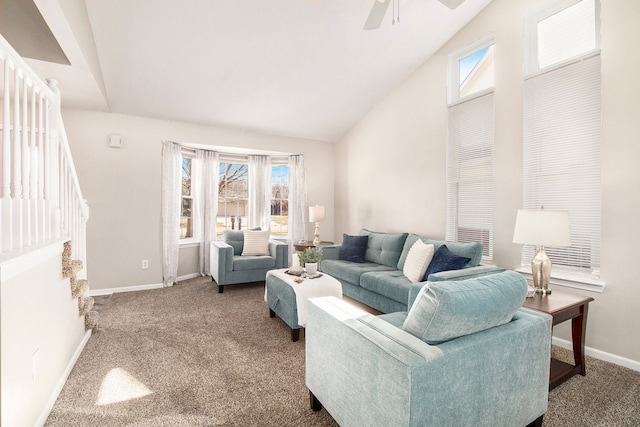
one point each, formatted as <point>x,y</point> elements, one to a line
<point>316,236</point>
<point>541,272</point>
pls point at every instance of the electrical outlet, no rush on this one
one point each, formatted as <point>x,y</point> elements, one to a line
<point>145,264</point>
<point>35,363</point>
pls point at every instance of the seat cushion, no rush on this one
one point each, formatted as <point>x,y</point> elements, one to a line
<point>251,262</point>
<point>384,248</point>
<point>392,284</point>
<point>446,310</point>
<point>350,271</point>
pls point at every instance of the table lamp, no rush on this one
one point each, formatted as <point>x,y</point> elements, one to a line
<point>542,228</point>
<point>316,214</point>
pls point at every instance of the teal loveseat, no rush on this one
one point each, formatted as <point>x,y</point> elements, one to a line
<point>230,267</point>
<point>379,281</point>
<point>466,354</point>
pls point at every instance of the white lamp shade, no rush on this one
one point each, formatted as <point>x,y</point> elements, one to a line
<point>316,213</point>
<point>542,227</point>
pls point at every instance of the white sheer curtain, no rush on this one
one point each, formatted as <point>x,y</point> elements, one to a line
<point>260,192</point>
<point>171,195</point>
<point>297,202</point>
<point>206,203</point>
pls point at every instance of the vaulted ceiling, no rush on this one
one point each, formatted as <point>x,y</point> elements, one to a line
<point>301,68</point>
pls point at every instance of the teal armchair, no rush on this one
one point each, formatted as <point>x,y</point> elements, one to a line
<point>395,370</point>
<point>230,267</point>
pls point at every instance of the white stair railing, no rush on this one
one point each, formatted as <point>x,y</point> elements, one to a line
<point>39,191</point>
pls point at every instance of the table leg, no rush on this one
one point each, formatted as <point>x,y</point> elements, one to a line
<point>295,335</point>
<point>578,329</point>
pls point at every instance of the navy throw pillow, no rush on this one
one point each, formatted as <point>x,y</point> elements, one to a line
<point>445,260</point>
<point>353,248</point>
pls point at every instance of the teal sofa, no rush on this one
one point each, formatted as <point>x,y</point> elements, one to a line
<point>379,281</point>
<point>466,354</point>
<point>230,267</point>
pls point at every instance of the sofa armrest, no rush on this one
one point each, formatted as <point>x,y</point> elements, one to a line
<point>280,251</point>
<point>221,260</point>
<point>329,252</point>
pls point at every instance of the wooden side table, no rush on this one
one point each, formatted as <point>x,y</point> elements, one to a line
<point>564,306</point>
<point>301,246</point>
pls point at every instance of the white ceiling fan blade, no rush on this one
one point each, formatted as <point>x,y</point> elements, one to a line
<point>376,15</point>
<point>451,4</point>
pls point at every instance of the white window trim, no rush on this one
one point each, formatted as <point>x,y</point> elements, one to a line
<point>530,36</point>
<point>454,99</point>
<point>560,275</point>
<point>280,160</point>
<point>453,78</point>
<point>195,239</point>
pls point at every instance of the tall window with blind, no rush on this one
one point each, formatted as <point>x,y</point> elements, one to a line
<point>562,129</point>
<point>470,137</point>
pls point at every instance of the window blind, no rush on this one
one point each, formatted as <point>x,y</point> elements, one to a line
<point>562,134</point>
<point>470,137</point>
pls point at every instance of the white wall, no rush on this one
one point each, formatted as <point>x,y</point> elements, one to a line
<point>123,188</point>
<point>398,150</point>
<point>38,315</point>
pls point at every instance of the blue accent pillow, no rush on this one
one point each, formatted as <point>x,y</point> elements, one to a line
<point>353,248</point>
<point>445,260</point>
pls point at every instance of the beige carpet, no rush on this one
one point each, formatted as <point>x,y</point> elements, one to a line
<point>188,356</point>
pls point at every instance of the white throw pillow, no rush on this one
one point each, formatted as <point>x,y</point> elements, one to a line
<point>256,242</point>
<point>418,259</point>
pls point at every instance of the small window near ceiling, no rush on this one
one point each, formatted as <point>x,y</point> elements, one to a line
<point>471,70</point>
<point>476,72</point>
<point>186,213</point>
<point>233,197</point>
<point>280,200</point>
<point>562,31</point>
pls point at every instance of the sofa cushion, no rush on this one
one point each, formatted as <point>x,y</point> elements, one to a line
<point>473,250</point>
<point>469,250</point>
<point>235,239</point>
<point>446,310</point>
<point>418,259</point>
<point>384,248</point>
<point>256,242</point>
<point>353,248</point>
<point>445,260</point>
<point>350,272</point>
<point>392,284</point>
<point>250,262</point>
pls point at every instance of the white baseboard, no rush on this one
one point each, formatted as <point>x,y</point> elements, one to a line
<point>109,291</point>
<point>61,382</point>
<point>601,355</point>
<point>188,276</point>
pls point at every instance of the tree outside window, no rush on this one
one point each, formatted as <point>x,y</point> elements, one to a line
<point>233,197</point>
<point>280,200</point>
<point>186,214</point>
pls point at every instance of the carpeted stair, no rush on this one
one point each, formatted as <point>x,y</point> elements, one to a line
<point>79,288</point>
